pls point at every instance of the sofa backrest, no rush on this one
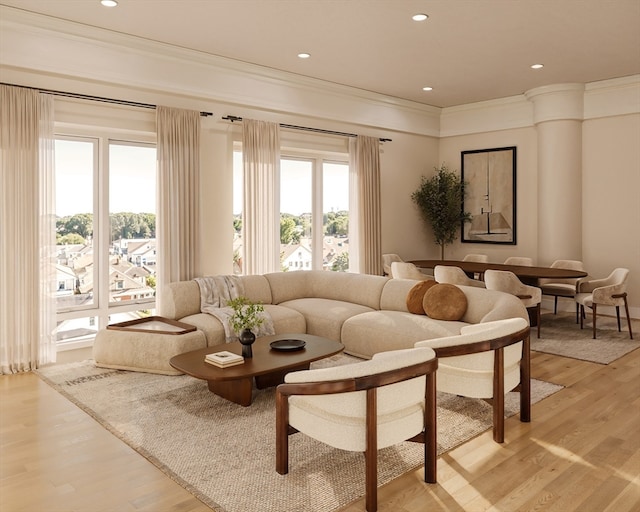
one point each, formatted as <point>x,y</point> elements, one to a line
<point>363,289</point>
<point>182,298</point>
<point>482,305</point>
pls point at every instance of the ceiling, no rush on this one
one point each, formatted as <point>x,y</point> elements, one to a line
<point>467,50</point>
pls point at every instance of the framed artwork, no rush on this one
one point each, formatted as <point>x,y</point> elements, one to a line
<point>490,177</point>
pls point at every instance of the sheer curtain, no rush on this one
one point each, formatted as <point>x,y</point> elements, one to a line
<point>260,215</point>
<point>27,230</point>
<point>364,165</point>
<point>178,150</point>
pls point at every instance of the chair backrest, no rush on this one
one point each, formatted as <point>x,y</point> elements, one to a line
<point>406,270</point>
<point>568,264</point>
<point>341,392</point>
<point>519,260</point>
<point>387,260</point>
<point>454,275</point>
<point>508,282</point>
<point>470,354</point>
<point>480,258</point>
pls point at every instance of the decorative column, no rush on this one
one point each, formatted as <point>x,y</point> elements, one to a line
<point>558,114</point>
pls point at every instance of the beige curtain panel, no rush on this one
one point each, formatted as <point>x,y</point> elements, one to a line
<point>27,230</point>
<point>178,150</point>
<point>260,209</point>
<point>364,156</point>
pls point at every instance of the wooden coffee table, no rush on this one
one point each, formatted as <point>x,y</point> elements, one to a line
<point>267,366</point>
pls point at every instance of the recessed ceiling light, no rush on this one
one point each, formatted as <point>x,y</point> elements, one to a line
<point>304,55</point>
<point>427,88</point>
<point>419,17</point>
<point>537,66</point>
<point>109,3</point>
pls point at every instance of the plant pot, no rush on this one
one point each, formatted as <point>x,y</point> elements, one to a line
<point>247,338</point>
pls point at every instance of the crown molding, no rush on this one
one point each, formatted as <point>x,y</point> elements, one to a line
<point>486,116</point>
<point>615,97</point>
<point>80,51</point>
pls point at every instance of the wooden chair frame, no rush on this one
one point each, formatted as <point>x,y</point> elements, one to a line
<point>594,307</point>
<point>498,345</point>
<point>369,384</point>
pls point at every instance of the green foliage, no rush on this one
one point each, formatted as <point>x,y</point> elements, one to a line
<point>123,225</point>
<point>237,223</point>
<point>336,223</point>
<point>439,200</point>
<point>341,263</point>
<point>246,314</point>
<point>70,239</point>
<point>288,230</point>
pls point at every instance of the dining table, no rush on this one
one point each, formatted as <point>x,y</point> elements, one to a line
<point>526,274</point>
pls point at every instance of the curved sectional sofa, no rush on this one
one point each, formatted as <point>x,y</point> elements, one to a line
<point>366,313</point>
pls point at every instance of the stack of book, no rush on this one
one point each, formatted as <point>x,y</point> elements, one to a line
<point>223,359</point>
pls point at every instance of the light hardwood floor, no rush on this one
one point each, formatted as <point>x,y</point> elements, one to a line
<point>581,452</point>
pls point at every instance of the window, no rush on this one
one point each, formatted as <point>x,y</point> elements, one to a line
<point>314,212</point>
<point>105,230</point>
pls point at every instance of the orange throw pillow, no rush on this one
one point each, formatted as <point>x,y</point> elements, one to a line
<point>416,295</point>
<point>445,302</point>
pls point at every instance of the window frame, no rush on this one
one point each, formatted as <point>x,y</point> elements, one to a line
<point>100,311</point>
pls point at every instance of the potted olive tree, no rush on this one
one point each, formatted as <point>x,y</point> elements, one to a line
<point>439,199</point>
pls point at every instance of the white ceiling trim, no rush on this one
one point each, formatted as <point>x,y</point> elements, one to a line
<point>76,50</point>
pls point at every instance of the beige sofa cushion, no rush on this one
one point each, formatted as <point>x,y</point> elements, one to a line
<point>325,317</point>
<point>362,289</point>
<point>285,320</point>
<point>379,331</point>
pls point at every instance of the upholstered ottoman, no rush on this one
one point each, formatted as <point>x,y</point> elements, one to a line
<point>144,347</point>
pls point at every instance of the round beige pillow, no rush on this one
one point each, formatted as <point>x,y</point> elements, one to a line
<point>445,302</point>
<point>416,295</point>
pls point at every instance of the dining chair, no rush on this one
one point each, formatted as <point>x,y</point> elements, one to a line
<point>455,275</point>
<point>519,260</point>
<point>480,258</point>
<point>406,270</point>
<point>363,407</point>
<point>610,291</point>
<point>387,260</point>
<point>561,287</point>
<point>487,360</point>
<point>508,282</point>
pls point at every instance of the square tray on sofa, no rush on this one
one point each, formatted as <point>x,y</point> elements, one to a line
<point>155,324</point>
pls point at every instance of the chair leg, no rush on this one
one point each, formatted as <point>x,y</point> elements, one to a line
<point>626,309</point>
<point>498,396</point>
<point>618,317</point>
<point>282,434</point>
<point>525,381</point>
<point>581,316</point>
<point>594,307</point>
<point>430,442</point>
<point>371,453</point>
<point>539,318</point>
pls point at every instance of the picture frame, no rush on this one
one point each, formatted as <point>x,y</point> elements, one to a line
<point>489,176</point>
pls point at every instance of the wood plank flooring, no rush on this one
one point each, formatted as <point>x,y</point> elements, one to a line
<point>580,453</point>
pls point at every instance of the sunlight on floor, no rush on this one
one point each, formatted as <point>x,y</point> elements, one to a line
<point>562,453</point>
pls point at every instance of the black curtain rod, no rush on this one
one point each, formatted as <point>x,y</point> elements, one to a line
<point>94,98</point>
<point>305,128</point>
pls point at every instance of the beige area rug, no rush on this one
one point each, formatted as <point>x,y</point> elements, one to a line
<point>560,335</point>
<point>224,453</point>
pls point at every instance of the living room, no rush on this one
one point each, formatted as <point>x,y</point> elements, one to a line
<point>598,131</point>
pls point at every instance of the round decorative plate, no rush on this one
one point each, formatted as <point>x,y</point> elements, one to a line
<point>288,344</point>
